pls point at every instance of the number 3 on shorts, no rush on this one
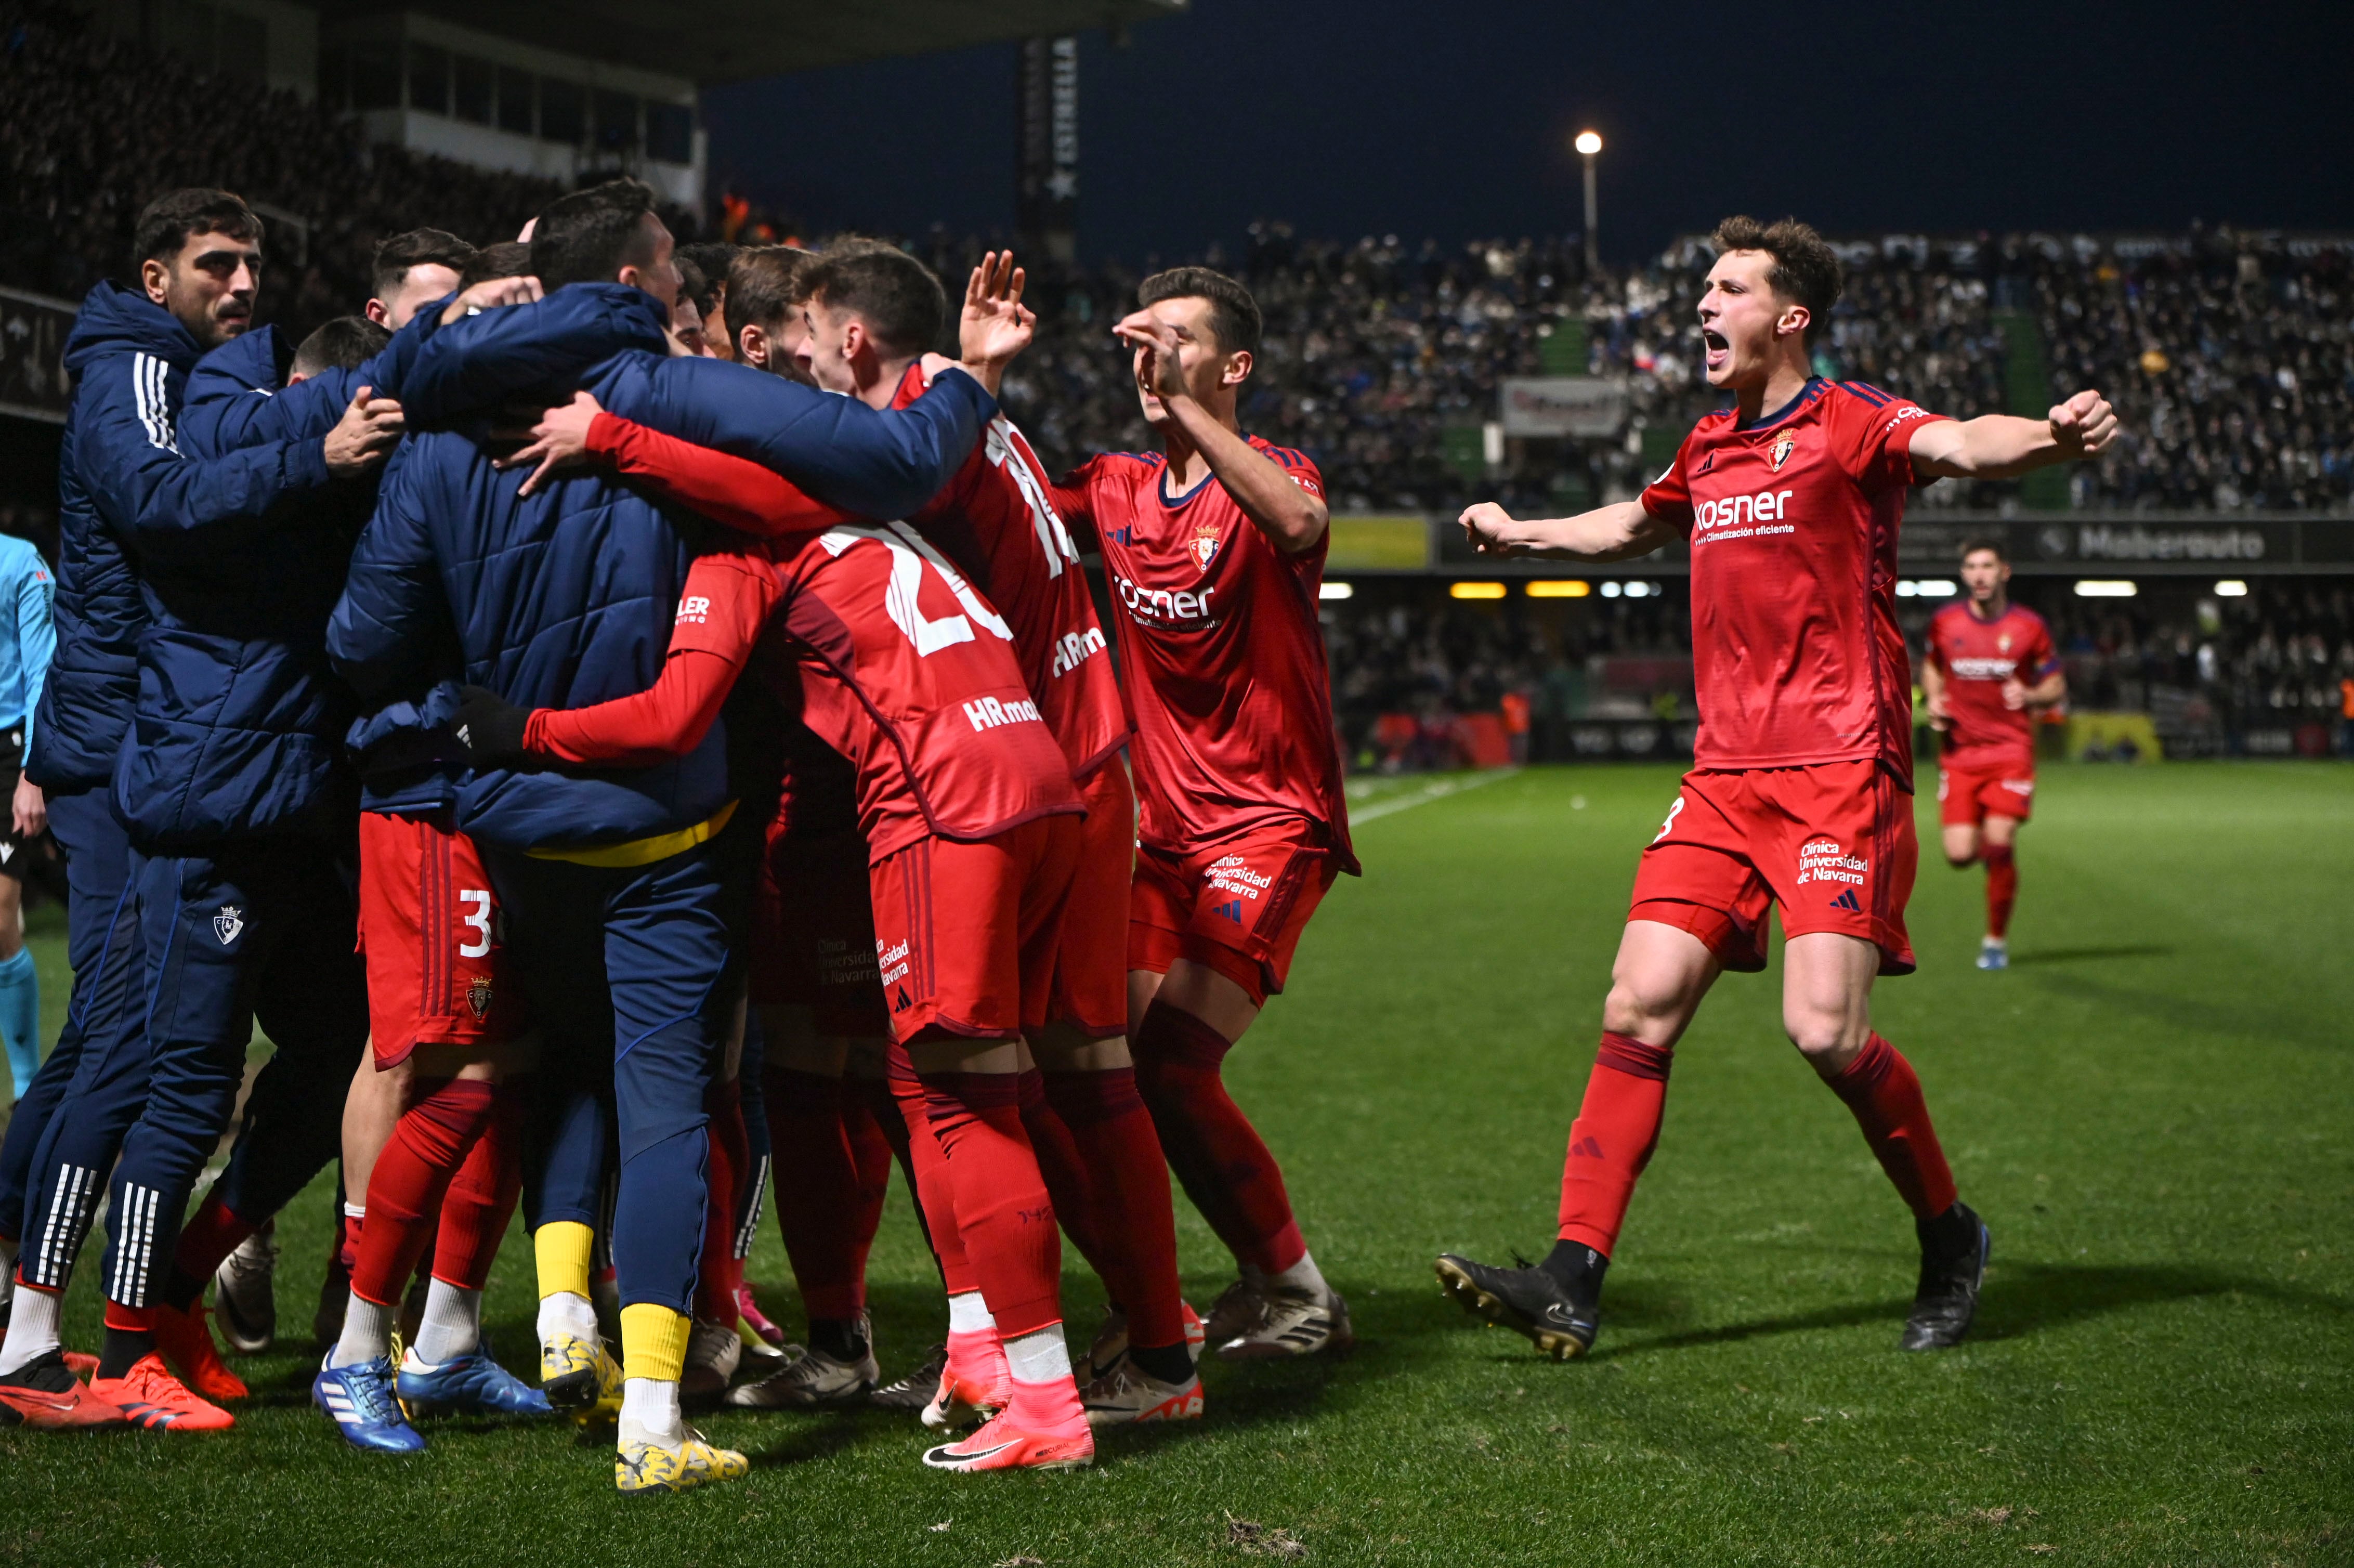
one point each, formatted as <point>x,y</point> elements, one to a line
<point>479,919</point>
<point>1672,812</point>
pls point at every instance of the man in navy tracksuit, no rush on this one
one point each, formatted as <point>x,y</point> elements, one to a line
<point>617,899</point>
<point>134,500</point>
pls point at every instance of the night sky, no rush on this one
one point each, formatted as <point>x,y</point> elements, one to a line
<point>1452,121</point>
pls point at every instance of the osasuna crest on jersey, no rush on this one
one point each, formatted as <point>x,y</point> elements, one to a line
<point>1204,543</point>
<point>229,923</point>
<point>1782,449</point>
<point>478,996</point>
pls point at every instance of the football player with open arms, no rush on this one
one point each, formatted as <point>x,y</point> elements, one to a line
<point>1988,669</point>
<point>1800,794</point>
<point>1215,551</point>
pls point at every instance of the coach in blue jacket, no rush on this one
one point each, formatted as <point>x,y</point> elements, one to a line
<point>131,496</point>
<point>618,900</point>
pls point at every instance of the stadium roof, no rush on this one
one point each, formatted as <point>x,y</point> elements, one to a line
<point>729,40</point>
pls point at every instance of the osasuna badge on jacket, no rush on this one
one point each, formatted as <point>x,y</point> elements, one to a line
<point>229,923</point>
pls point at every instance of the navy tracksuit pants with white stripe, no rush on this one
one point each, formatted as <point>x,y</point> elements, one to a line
<point>63,1136</point>
<point>260,930</point>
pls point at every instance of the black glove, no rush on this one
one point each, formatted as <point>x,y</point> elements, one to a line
<point>491,728</point>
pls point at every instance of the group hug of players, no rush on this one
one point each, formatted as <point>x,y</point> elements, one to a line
<point>633,726</point>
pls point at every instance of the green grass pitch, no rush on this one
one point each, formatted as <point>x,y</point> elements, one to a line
<point>2154,1108</point>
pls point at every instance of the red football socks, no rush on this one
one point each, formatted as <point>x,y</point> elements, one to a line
<point>1616,1129</point>
<point>716,1273</point>
<point>877,1135</point>
<point>816,1178</point>
<point>429,1143</point>
<point>1217,1154</point>
<point>481,1197</point>
<point>211,1234</point>
<point>928,1166</point>
<point>1059,1161</point>
<point>2002,886</point>
<point>1880,1087</point>
<point>1001,1208</point>
<point>1129,1177</point>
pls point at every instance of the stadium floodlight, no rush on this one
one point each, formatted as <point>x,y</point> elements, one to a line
<point>2230,587</point>
<point>1612,590</point>
<point>2097,588</point>
<point>1926,587</point>
<point>1475,590</point>
<point>1569,588</point>
<point>1337,590</point>
<point>1590,143</point>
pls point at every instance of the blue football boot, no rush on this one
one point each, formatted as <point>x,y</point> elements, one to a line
<point>472,1383</point>
<point>360,1398</point>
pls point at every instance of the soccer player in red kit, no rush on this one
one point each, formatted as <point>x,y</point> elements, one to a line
<point>1800,792</point>
<point>973,828</point>
<point>996,521</point>
<point>1215,551</point>
<point>1988,668</point>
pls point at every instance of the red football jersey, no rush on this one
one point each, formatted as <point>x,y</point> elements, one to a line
<point>1220,653</point>
<point>995,520</point>
<point>1793,524</point>
<point>1975,657</point>
<point>890,656</point>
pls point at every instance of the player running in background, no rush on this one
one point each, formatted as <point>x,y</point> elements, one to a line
<point>1214,550</point>
<point>1800,792</point>
<point>1988,669</point>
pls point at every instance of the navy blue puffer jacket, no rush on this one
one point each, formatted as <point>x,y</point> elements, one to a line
<point>566,596</point>
<point>238,724</point>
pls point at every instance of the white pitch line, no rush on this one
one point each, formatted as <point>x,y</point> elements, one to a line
<point>1437,790</point>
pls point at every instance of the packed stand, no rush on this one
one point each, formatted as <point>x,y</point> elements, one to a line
<point>92,128</point>
<point>2215,672</point>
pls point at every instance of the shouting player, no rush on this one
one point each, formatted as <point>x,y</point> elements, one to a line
<point>1800,794</point>
<point>1214,548</point>
<point>1988,668</point>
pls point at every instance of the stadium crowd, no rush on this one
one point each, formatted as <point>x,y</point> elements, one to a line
<point>2229,354</point>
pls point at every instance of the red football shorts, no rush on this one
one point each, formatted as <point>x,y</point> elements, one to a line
<point>1090,989</point>
<point>1967,794</point>
<point>1237,905</point>
<point>434,939</point>
<point>813,934</point>
<point>1833,844</point>
<point>967,934</point>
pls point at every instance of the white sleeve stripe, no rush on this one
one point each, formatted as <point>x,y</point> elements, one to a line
<point>150,386</point>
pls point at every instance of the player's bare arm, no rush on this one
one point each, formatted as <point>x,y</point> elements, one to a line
<point>1292,519</point>
<point>1619,532</point>
<point>2003,446</point>
<point>1933,693</point>
<point>2018,694</point>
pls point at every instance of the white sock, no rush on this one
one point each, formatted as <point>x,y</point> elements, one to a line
<point>32,1328</point>
<point>1039,1357</point>
<point>1302,1276</point>
<point>367,1333</point>
<point>649,1413</point>
<point>452,1324</point>
<point>567,1312</point>
<point>969,1314</point>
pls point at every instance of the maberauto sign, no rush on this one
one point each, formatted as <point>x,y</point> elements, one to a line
<point>1556,406</point>
<point>2138,542</point>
